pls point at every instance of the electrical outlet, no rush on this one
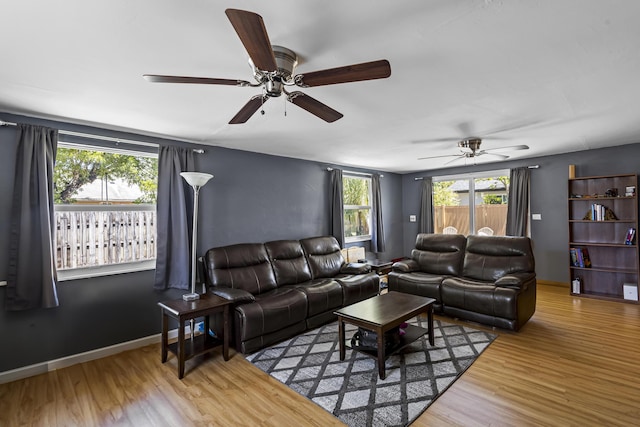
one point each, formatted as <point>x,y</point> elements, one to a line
<point>412,218</point>
<point>536,217</point>
<point>3,283</point>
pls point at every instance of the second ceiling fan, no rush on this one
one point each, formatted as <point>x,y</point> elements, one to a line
<point>273,70</point>
<point>470,148</point>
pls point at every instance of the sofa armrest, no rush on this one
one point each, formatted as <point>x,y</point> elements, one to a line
<point>405,266</point>
<point>355,268</point>
<point>236,296</point>
<point>515,280</point>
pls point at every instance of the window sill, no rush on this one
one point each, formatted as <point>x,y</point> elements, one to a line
<point>105,270</point>
<point>357,239</point>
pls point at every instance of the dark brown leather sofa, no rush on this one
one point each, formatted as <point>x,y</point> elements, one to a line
<point>486,279</point>
<point>282,288</point>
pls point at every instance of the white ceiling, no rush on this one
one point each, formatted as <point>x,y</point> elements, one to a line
<point>556,75</point>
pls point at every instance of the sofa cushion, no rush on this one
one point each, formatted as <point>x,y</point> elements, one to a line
<point>440,254</point>
<point>270,312</point>
<point>243,266</point>
<point>479,297</point>
<point>288,261</point>
<point>488,258</point>
<point>323,255</point>
<point>322,295</point>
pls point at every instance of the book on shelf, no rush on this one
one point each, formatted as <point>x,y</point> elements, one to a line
<point>598,212</point>
<point>630,238</point>
<point>584,255</point>
<point>574,257</point>
<point>580,257</point>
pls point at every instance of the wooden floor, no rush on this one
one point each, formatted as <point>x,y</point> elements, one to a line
<point>576,363</point>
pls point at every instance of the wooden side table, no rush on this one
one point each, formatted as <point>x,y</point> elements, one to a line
<point>193,346</point>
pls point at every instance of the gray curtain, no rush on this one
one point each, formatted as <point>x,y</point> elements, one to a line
<point>518,208</point>
<point>31,276</point>
<point>174,219</point>
<point>426,206</point>
<point>337,203</point>
<point>377,235</point>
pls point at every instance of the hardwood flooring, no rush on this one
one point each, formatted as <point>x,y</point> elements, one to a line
<point>576,363</point>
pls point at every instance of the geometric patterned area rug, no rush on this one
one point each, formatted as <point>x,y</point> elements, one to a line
<point>351,389</point>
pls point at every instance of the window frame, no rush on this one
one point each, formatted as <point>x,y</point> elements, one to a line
<point>109,269</point>
<point>364,237</point>
<point>471,178</point>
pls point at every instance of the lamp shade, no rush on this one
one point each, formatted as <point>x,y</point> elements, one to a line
<point>196,179</point>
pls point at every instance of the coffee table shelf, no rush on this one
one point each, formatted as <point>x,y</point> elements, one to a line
<point>412,333</point>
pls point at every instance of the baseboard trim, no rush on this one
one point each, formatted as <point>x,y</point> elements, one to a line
<point>74,359</point>
<point>552,283</point>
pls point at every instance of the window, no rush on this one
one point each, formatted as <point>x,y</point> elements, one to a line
<point>356,193</point>
<point>104,210</point>
<point>471,204</point>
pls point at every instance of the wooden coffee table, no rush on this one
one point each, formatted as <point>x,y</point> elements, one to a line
<point>383,313</point>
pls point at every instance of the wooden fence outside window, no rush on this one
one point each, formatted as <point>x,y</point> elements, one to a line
<point>94,235</point>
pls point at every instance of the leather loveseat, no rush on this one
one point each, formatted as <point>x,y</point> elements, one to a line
<point>486,279</point>
<point>282,288</point>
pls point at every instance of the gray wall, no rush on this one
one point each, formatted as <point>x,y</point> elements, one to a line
<point>548,197</point>
<point>252,198</point>
<point>256,198</point>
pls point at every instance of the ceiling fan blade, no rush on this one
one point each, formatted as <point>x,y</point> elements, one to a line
<point>248,110</point>
<point>349,73</point>
<point>509,148</point>
<point>314,106</point>
<point>500,156</point>
<point>438,157</point>
<point>155,78</point>
<point>254,37</point>
<point>455,160</point>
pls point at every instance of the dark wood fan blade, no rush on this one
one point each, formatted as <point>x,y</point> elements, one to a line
<point>155,78</point>
<point>254,37</point>
<point>314,106</point>
<point>349,73</point>
<point>248,110</point>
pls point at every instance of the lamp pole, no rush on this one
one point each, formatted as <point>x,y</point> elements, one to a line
<point>197,180</point>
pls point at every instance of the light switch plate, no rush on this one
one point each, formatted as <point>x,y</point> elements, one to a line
<point>3,283</point>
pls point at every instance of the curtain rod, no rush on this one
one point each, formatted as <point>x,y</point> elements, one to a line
<point>355,173</point>
<point>420,178</point>
<point>103,138</point>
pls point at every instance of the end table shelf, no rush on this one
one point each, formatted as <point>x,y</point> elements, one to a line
<point>182,311</point>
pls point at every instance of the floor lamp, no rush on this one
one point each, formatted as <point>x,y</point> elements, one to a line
<point>195,180</point>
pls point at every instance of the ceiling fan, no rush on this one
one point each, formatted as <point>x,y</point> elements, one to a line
<point>470,148</point>
<point>273,70</point>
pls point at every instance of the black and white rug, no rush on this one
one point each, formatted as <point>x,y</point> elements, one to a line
<point>352,390</point>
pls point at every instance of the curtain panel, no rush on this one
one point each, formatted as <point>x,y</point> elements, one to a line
<point>426,206</point>
<point>174,219</point>
<point>336,213</point>
<point>377,235</point>
<point>518,208</point>
<point>32,276</point>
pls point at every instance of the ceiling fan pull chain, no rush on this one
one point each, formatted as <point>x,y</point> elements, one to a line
<point>264,96</point>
